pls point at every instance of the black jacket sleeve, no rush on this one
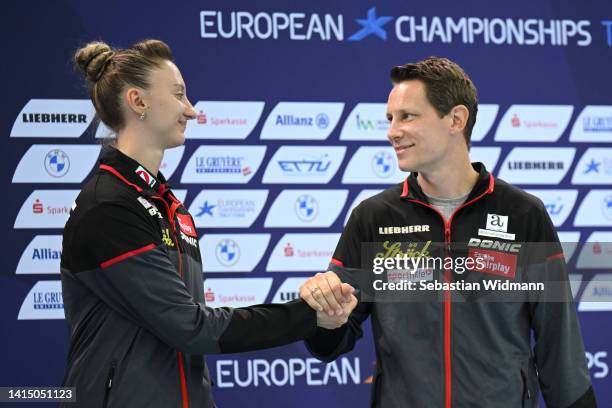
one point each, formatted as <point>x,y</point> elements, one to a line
<point>559,349</point>
<point>119,256</point>
<point>327,345</point>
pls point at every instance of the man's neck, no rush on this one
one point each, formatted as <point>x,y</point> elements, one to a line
<point>448,181</point>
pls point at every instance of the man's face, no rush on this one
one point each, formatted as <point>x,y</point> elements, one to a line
<point>416,132</point>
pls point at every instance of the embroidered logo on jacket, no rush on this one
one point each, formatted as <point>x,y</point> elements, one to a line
<point>186,225</point>
<point>497,222</point>
<point>497,227</point>
<point>187,229</point>
<point>166,238</point>
<point>494,262</point>
<point>146,176</point>
<point>406,229</point>
<point>151,208</point>
<point>190,240</point>
<point>495,245</point>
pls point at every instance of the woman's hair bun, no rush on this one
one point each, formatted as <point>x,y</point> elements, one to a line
<point>93,58</point>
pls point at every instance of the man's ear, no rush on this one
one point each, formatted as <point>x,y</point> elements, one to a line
<point>459,117</point>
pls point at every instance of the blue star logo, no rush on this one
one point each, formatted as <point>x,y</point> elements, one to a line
<point>206,209</point>
<point>592,166</point>
<point>371,25</point>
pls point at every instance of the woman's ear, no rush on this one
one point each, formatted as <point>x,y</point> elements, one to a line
<point>134,100</point>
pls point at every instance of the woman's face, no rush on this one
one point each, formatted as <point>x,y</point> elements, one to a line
<point>168,108</point>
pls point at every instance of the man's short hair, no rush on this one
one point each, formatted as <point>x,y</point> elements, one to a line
<point>446,86</point>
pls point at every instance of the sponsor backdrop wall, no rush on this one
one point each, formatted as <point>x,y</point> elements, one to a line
<point>290,136</point>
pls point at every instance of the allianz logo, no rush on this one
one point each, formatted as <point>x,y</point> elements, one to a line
<point>46,253</point>
<point>321,120</point>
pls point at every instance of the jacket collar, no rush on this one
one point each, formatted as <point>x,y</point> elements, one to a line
<point>131,172</point>
<point>484,185</point>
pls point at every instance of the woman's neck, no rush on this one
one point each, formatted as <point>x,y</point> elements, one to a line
<point>134,145</point>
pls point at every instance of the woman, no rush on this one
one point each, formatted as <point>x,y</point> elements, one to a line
<point>131,268</point>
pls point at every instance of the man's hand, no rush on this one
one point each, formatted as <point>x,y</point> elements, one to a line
<point>326,321</point>
<point>326,293</point>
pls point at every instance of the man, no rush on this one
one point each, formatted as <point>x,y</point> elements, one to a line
<point>466,349</point>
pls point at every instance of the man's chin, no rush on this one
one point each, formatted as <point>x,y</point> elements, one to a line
<point>407,167</point>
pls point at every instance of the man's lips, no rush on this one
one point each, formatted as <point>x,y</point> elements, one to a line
<point>402,148</point>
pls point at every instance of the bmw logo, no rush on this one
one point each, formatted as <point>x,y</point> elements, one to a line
<point>227,252</point>
<point>57,163</point>
<point>383,164</point>
<point>306,208</point>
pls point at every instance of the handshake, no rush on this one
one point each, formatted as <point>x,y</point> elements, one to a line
<point>333,300</point>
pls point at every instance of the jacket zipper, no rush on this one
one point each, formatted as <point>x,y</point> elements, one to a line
<point>179,355</point>
<point>109,383</point>
<point>173,226</point>
<point>447,318</point>
<point>447,296</point>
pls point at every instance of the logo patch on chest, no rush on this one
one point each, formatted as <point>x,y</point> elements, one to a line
<point>150,207</point>
<point>186,225</point>
<point>497,227</point>
<point>406,229</point>
<point>494,262</point>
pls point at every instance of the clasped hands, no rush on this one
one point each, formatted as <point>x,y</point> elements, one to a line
<point>333,300</point>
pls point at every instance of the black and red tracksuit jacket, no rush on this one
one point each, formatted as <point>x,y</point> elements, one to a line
<point>461,349</point>
<point>132,284</point>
